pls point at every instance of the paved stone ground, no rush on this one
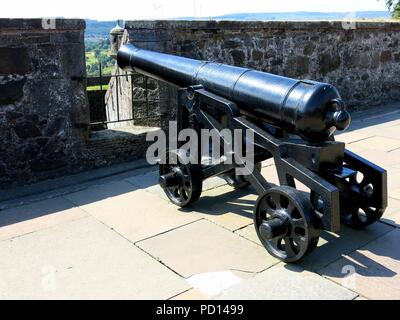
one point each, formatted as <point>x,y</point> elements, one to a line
<point>119,238</point>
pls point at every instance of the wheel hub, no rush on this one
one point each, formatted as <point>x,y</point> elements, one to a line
<point>170,180</point>
<point>274,228</point>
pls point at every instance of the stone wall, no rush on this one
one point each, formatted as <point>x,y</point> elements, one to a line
<point>44,114</point>
<point>363,63</point>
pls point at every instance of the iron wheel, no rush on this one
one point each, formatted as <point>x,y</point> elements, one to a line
<point>182,183</point>
<point>286,223</point>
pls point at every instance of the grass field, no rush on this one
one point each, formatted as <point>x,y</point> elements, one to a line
<point>97,88</point>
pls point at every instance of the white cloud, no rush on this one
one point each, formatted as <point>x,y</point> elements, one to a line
<point>159,9</point>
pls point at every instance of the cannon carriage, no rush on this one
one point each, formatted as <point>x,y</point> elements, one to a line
<point>294,123</point>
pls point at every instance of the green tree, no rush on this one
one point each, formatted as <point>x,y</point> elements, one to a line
<point>394,8</point>
<point>97,51</point>
<point>396,11</point>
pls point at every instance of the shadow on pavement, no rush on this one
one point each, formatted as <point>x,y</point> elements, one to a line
<point>230,202</point>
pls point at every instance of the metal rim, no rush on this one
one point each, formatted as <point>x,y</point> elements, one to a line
<point>190,182</point>
<point>301,232</point>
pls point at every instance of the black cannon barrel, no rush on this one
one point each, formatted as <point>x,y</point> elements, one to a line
<point>310,109</point>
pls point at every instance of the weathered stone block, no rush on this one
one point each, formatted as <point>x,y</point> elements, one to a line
<point>187,46</point>
<point>11,91</point>
<point>2,169</point>
<point>42,141</point>
<point>30,152</point>
<point>55,126</point>
<point>27,129</point>
<point>257,55</point>
<point>298,65</point>
<point>238,57</point>
<point>46,61</point>
<point>12,116</point>
<point>309,49</point>
<point>73,60</point>
<point>386,56</point>
<point>152,35</point>
<point>14,61</point>
<point>329,62</point>
<point>47,165</point>
<point>34,38</point>
<point>231,44</point>
<point>66,37</point>
<point>32,117</point>
<point>365,77</point>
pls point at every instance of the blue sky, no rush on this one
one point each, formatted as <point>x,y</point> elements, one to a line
<point>161,9</point>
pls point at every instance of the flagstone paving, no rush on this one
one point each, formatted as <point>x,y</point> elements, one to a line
<point>119,238</point>
<point>136,215</point>
<point>196,248</point>
<point>287,283</point>
<point>392,214</point>
<point>373,270</point>
<point>82,259</point>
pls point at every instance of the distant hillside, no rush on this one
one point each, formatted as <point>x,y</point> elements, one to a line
<point>299,16</point>
<point>99,29</point>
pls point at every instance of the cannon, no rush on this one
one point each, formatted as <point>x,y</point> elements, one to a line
<point>292,121</point>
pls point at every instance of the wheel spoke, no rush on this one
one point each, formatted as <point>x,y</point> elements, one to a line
<point>265,206</point>
<point>291,207</point>
<point>356,218</point>
<point>187,190</point>
<point>370,213</point>
<point>289,247</point>
<point>269,210</point>
<point>298,223</point>
<point>364,182</point>
<point>353,216</point>
<point>276,198</point>
<point>300,240</point>
<point>182,194</point>
<point>275,243</point>
<point>174,191</point>
<point>185,178</point>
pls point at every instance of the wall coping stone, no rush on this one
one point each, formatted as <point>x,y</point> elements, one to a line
<point>29,25</point>
<point>277,25</point>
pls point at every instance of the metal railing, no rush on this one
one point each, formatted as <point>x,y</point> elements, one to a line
<point>110,92</point>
